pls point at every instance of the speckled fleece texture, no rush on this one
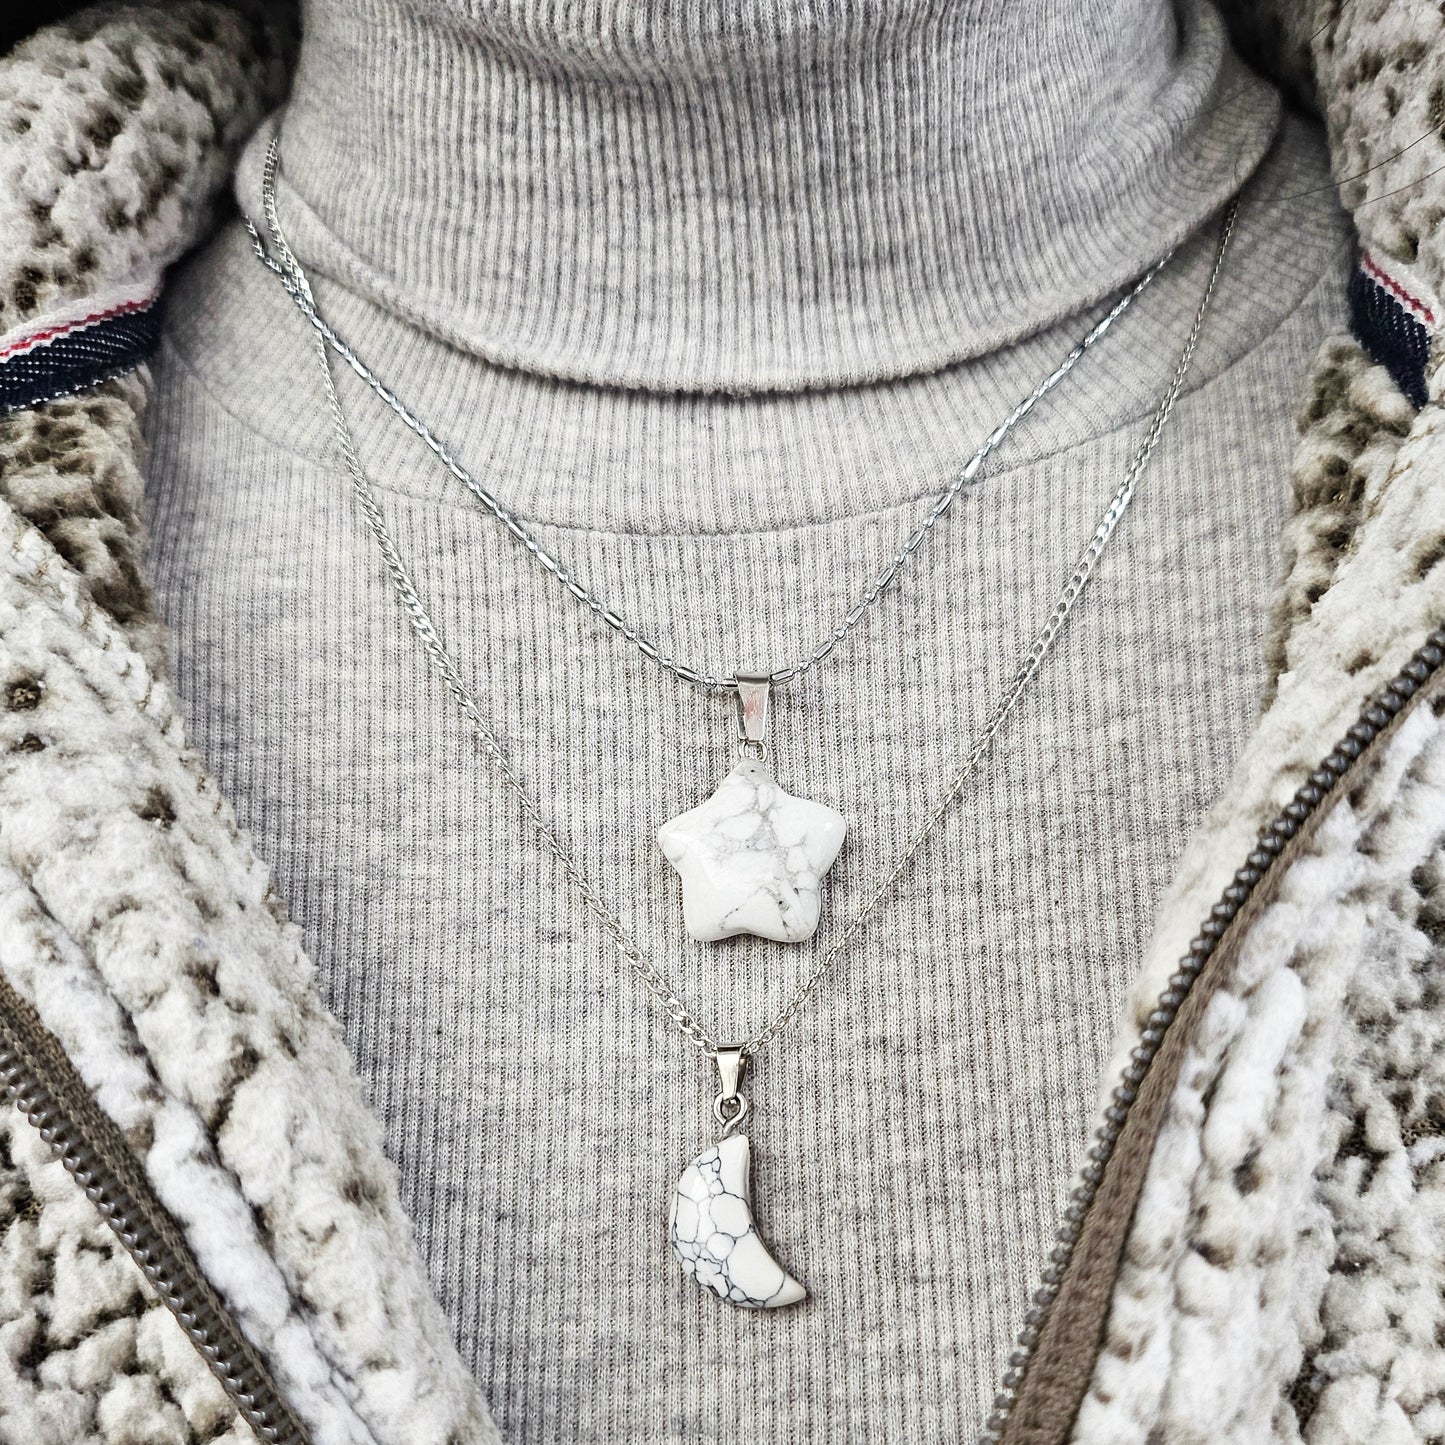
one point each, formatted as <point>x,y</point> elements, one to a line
<point>132,913</point>
<point>1283,1277</point>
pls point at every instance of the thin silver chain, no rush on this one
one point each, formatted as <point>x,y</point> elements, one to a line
<point>697,675</point>
<point>642,967</point>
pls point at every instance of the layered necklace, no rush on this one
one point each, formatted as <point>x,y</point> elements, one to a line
<point>751,857</point>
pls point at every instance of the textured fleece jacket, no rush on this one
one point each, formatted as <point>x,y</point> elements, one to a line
<point>200,1234</point>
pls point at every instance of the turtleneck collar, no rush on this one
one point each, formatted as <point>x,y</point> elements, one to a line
<point>753,197</point>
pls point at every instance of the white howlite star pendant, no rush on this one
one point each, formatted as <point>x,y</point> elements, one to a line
<point>752,858</point>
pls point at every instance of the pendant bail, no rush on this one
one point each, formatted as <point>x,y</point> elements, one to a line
<point>754,698</point>
<point>730,1108</point>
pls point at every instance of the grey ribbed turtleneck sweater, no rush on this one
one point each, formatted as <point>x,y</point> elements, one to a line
<point>717,296</point>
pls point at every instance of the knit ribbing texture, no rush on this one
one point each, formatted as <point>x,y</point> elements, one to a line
<point>916,1129</point>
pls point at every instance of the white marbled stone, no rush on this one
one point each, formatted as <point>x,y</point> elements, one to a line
<point>752,858</point>
<point>713,1234</point>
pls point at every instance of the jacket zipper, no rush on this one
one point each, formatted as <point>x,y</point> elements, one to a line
<point>38,1077</point>
<point>1322,784</point>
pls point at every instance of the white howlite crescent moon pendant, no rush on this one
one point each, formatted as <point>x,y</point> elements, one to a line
<point>713,1233</point>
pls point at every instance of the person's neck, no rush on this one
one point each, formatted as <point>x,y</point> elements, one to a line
<point>748,197</point>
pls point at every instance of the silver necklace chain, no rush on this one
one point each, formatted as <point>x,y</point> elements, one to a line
<point>645,971</point>
<point>695,674</point>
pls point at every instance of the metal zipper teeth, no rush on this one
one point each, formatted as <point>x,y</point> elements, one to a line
<point>1321,784</point>
<point>145,1229</point>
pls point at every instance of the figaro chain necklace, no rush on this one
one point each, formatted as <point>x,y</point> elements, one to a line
<point>752,857</point>
<point>711,1226</point>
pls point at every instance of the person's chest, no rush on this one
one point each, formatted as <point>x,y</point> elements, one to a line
<point>916,1127</point>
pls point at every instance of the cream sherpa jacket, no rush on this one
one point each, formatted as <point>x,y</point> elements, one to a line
<point>200,1235</point>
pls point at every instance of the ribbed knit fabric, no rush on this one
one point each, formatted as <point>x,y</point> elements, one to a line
<point>755,196</point>
<point>916,1128</point>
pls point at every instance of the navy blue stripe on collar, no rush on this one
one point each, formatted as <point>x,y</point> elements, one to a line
<point>76,355</point>
<point>1393,325</point>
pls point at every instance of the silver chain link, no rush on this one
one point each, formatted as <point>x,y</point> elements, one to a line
<point>698,676</point>
<point>294,279</point>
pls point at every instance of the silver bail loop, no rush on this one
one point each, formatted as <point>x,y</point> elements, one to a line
<point>754,699</point>
<point>730,1108</point>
